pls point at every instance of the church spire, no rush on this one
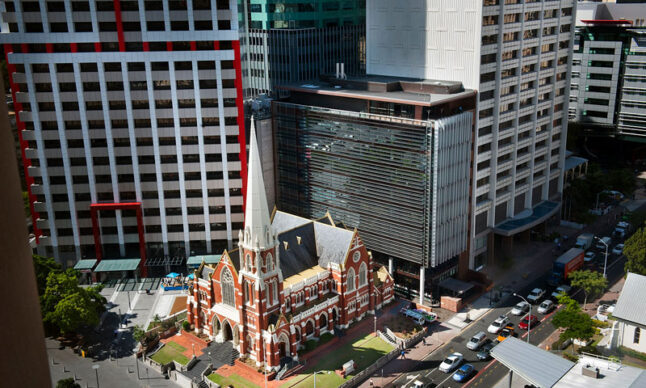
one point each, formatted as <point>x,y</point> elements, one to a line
<point>257,232</point>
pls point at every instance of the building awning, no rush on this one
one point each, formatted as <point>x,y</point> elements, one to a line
<point>539,367</point>
<point>458,287</point>
<point>195,261</point>
<point>117,265</point>
<point>85,264</point>
<point>527,219</point>
<point>574,161</point>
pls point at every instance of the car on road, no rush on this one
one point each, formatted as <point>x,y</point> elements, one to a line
<point>603,243</point>
<point>530,320</point>
<point>507,332</point>
<point>451,362</point>
<point>464,373</point>
<point>535,295</point>
<point>498,324</point>
<point>562,289</point>
<point>589,256</point>
<point>485,351</point>
<point>545,307</point>
<point>477,341</point>
<point>618,250</point>
<point>520,308</point>
<point>423,382</point>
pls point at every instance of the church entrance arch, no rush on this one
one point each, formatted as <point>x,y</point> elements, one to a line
<point>334,316</point>
<point>283,345</point>
<point>323,321</point>
<point>227,333</point>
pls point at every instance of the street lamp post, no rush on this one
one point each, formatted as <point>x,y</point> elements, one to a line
<point>137,365</point>
<point>318,371</point>
<point>96,370</point>
<point>605,261</point>
<point>529,318</point>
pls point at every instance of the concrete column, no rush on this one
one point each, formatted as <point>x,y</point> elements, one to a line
<point>421,284</point>
<point>390,266</point>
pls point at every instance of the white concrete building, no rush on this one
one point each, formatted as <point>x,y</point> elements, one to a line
<point>630,314</point>
<point>517,54</point>
<point>131,125</point>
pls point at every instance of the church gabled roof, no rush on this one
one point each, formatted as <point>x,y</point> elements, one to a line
<point>256,222</point>
<point>309,242</point>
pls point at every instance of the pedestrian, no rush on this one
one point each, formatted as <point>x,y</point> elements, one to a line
<point>371,383</point>
<point>424,340</point>
<point>403,355</point>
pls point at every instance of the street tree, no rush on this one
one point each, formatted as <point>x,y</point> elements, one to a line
<point>591,282</point>
<point>67,383</point>
<point>138,333</point>
<point>635,251</point>
<point>577,324</point>
<point>43,266</point>
<point>66,306</point>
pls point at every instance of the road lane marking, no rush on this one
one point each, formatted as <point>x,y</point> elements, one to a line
<point>444,381</point>
<point>479,373</point>
<point>431,372</point>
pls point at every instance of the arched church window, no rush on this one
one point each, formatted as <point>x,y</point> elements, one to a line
<point>351,280</point>
<point>363,275</point>
<point>226,281</point>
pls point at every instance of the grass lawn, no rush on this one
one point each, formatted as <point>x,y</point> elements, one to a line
<point>365,351</point>
<point>234,380</point>
<point>171,351</point>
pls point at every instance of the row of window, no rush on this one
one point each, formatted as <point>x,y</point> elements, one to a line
<point>205,45</point>
<point>170,228</point>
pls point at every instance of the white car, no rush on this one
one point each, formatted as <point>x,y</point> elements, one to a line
<point>589,256</point>
<point>618,249</point>
<point>545,307</point>
<point>562,289</point>
<point>535,295</point>
<point>520,308</point>
<point>451,362</point>
<point>498,324</point>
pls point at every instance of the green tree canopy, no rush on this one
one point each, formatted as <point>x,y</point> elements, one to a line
<point>67,383</point>
<point>67,306</point>
<point>591,282</point>
<point>43,266</point>
<point>635,251</point>
<point>576,323</point>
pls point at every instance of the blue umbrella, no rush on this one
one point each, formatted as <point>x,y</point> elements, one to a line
<point>172,275</point>
<point>191,276</point>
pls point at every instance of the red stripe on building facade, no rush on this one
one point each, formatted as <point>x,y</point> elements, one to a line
<point>169,46</point>
<point>49,47</point>
<point>119,22</point>
<point>26,162</point>
<point>74,47</point>
<point>237,64</point>
<point>193,46</point>
<point>216,45</point>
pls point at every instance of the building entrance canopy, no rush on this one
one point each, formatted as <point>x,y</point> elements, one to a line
<point>84,265</point>
<point>527,220</point>
<point>458,287</point>
<point>117,265</point>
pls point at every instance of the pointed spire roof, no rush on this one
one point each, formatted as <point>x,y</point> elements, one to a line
<point>258,232</point>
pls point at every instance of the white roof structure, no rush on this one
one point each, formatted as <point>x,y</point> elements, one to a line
<point>611,375</point>
<point>631,299</point>
<point>539,367</point>
<point>257,230</point>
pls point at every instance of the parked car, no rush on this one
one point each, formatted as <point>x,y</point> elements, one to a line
<point>589,256</point>
<point>618,250</point>
<point>520,308</point>
<point>498,324</point>
<point>464,373</point>
<point>562,289</point>
<point>423,382</point>
<point>485,352</point>
<point>528,320</point>
<point>545,307</point>
<point>535,295</point>
<point>507,332</point>
<point>477,341</point>
<point>451,362</point>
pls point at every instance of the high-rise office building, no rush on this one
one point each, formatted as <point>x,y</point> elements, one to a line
<point>293,41</point>
<point>130,116</point>
<point>609,70</point>
<point>386,155</point>
<point>517,55</point>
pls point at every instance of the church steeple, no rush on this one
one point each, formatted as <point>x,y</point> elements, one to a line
<point>257,227</point>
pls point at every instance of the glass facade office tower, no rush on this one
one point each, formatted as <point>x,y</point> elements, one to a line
<point>390,158</point>
<point>131,124</point>
<point>609,70</point>
<point>517,54</point>
<point>293,41</point>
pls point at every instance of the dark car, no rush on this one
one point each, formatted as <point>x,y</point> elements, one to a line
<point>485,351</point>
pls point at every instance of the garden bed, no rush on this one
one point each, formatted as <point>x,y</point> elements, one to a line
<point>401,326</point>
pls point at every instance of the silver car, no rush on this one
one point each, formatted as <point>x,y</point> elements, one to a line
<point>477,341</point>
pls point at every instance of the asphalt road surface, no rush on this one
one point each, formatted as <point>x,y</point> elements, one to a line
<point>488,373</point>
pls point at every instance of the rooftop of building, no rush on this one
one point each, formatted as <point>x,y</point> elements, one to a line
<point>412,91</point>
<point>626,15</point>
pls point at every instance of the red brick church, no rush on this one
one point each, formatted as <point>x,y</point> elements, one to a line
<point>290,280</point>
